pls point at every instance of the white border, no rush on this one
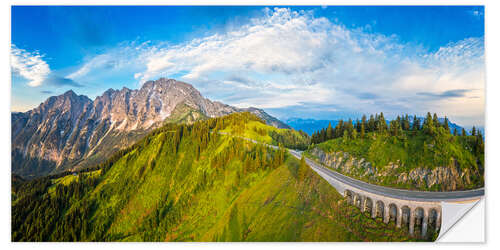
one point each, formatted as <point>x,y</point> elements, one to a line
<point>492,15</point>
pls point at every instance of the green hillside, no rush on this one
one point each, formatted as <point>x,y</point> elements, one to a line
<point>429,157</point>
<point>192,183</point>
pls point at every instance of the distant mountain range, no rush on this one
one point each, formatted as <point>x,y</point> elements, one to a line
<point>311,125</point>
<point>72,131</point>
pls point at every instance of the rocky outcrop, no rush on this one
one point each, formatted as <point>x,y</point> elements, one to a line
<point>442,178</point>
<point>67,129</point>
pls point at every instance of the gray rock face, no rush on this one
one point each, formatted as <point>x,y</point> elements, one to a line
<point>344,163</point>
<point>449,178</point>
<point>66,129</point>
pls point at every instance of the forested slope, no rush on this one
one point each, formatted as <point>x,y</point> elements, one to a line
<point>425,155</point>
<point>186,183</point>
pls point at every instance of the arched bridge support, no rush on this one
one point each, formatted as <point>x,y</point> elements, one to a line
<point>405,213</point>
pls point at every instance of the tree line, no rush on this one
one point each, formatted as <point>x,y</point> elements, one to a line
<point>377,124</point>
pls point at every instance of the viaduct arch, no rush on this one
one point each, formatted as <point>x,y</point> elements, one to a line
<point>418,210</point>
<point>408,213</point>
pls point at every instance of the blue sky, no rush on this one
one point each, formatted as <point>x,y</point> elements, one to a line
<point>309,62</point>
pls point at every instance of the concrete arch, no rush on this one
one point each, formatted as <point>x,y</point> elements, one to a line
<point>380,207</point>
<point>393,212</point>
<point>368,206</point>
<point>405,215</point>
<point>419,218</point>
<point>357,200</point>
<point>418,222</point>
<point>348,195</point>
<point>433,217</point>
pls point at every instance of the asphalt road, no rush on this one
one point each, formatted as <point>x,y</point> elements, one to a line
<point>385,191</point>
<point>393,192</point>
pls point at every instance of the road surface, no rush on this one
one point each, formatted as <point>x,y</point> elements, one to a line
<point>380,190</point>
<point>393,192</point>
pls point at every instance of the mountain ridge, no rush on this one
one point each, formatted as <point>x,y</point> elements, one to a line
<point>66,130</point>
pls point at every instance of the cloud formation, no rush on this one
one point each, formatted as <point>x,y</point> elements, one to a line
<point>446,94</point>
<point>288,61</point>
<point>32,67</point>
<point>59,81</point>
<point>29,65</point>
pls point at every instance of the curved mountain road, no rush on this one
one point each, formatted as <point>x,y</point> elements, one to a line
<point>393,192</point>
<point>381,190</point>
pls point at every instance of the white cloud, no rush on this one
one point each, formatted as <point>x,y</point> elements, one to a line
<point>287,59</point>
<point>29,65</point>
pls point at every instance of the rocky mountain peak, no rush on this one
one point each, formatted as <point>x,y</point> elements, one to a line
<point>68,128</point>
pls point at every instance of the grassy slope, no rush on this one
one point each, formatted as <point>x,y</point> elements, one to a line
<point>152,194</point>
<point>280,208</point>
<point>251,130</point>
<point>412,152</point>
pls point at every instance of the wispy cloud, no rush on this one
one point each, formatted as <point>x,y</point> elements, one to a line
<point>59,81</point>
<point>29,65</point>
<point>32,67</point>
<point>446,94</point>
<point>290,59</point>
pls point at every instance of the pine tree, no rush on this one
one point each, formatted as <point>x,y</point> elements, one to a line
<point>371,124</point>
<point>323,135</point>
<point>429,125</point>
<point>446,126</point>
<point>362,132</point>
<point>435,120</point>
<point>363,121</point>
<point>416,123</point>
<point>382,124</point>
<point>329,131</point>
<point>393,128</point>
<point>339,129</point>
<point>349,127</point>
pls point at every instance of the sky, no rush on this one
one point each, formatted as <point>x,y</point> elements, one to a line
<point>320,62</point>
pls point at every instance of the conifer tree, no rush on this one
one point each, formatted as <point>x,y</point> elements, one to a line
<point>329,131</point>
<point>446,126</point>
<point>406,123</point>
<point>416,123</point>
<point>371,124</point>
<point>382,124</point>
<point>363,121</point>
<point>429,125</point>
<point>362,132</point>
<point>349,127</point>
<point>435,120</point>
